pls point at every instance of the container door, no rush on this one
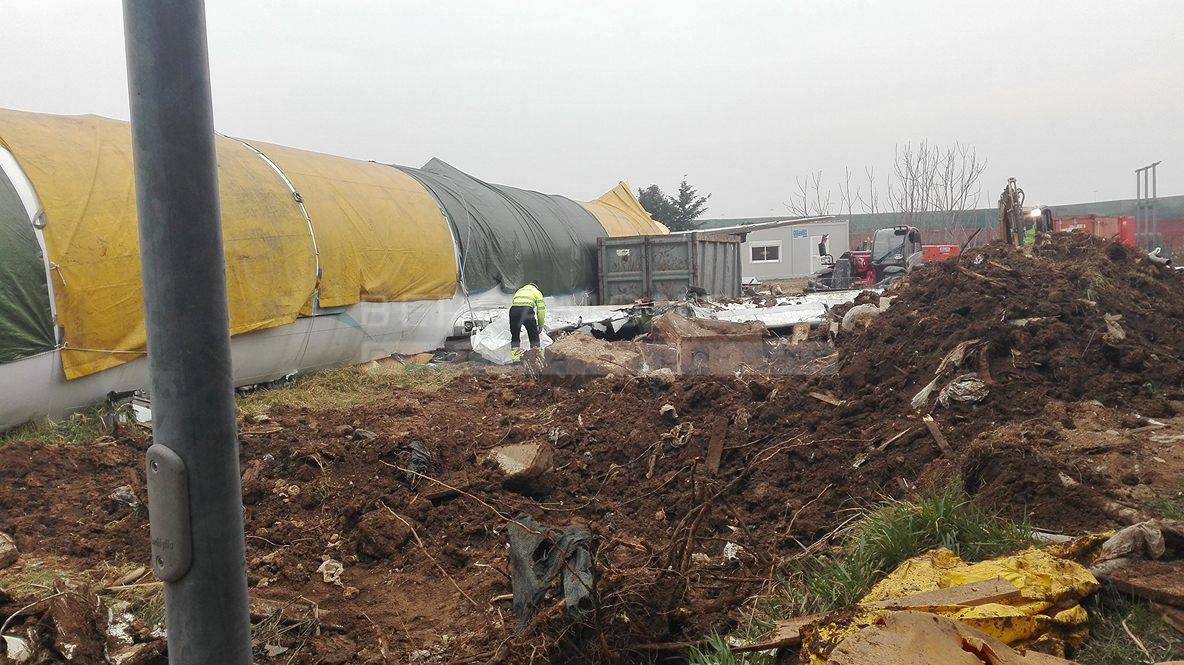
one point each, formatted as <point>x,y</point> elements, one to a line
<point>622,278</point>
<point>670,266</point>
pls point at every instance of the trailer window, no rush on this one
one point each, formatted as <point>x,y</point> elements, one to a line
<point>766,253</point>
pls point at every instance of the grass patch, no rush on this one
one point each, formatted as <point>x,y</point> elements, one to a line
<point>1171,506</point>
<point>880,540</point>
<point>32,578</point>
<point>345,387</point>
<point>716,652</point>
<point>1109,643</point>
<point>885,537</point>
<point>82,427</point>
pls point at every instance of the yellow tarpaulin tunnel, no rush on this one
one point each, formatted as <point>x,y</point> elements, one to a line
<point>302,231</point>
<point>81,168</point>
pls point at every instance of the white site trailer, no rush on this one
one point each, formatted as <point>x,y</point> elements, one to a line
<point>787,248</point>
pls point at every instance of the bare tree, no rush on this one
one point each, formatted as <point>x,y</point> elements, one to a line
<point>848,197</point>
<point>871,203</point>
<point>810,199</point>
<point>959,185</point>
<point>927,183</point>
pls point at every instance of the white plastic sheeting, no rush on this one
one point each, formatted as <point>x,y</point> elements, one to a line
<point>810,308</point>
<point>493,341</point>
<point>491,336</point>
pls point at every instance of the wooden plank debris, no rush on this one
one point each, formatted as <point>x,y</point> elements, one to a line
<point>937,435</point>
<point>786,633</point>
<point>1172,616</point>
<point>964,595</point>
<point>829,399</point>
<point>1157,581</point>
<point>859,461</point>
<point>715,445</point>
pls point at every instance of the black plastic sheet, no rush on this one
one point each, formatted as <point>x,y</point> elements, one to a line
<point>542,558</point>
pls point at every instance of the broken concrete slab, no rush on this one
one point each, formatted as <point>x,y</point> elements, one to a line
<point>708,346</point>
<point>523,463</point>
<point>578,354</point>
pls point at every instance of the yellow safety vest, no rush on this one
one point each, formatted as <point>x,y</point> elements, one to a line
<point>529,296</point>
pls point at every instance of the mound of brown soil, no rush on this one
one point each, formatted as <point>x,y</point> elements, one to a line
<point>691,507</point>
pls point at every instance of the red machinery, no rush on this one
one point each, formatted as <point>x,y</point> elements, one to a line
<point>1119,229</point>
<point>895,251</point>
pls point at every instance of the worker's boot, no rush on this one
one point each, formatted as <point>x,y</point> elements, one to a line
<point>516,355</point>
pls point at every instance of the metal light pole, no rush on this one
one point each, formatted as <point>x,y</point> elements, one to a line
<point>194,492</point>
<point>1146,198</point>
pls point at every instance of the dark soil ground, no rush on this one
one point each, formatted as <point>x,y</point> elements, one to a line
<point>424,572</point>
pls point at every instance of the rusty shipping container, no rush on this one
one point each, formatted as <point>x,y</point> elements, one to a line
<point>664,267</point>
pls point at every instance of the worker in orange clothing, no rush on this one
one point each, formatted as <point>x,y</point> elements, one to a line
<point>527,309</point>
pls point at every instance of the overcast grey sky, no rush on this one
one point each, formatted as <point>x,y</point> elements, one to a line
<point>570,97</point>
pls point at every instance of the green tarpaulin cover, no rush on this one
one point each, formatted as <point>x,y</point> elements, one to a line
<point>26,325</point>
<point>509,236</point>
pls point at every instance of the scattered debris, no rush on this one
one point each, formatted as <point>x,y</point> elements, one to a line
<point>1114,332</point>
<point>18,649</point>
<point>420,463</point>
<point>668,412</point>
<point>861,315</point>
<point>938,437</point>
<point>919,638</point>
<point>122,499</point>
<point>543,559</point>
<point>963,389</point>
<point>1059,401</point>
<point>1158,581</point>
<point>578,354</point>
<point>708,346</point>
<point>950,362</point>
<point>142,653</point>
<point>73,613</point>
<point>8,551</point>
<point>829,399</point>
<point>523,463</point>
<point>331,571</point>
<point>1040,605</point>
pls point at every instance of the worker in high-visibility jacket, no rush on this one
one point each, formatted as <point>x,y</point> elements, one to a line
<point>529,310</point>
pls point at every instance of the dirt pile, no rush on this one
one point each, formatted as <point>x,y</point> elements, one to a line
<point>693,487</point>
<point>1079,320</point>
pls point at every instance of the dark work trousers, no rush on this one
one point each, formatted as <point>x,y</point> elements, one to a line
<point>521,315</point>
